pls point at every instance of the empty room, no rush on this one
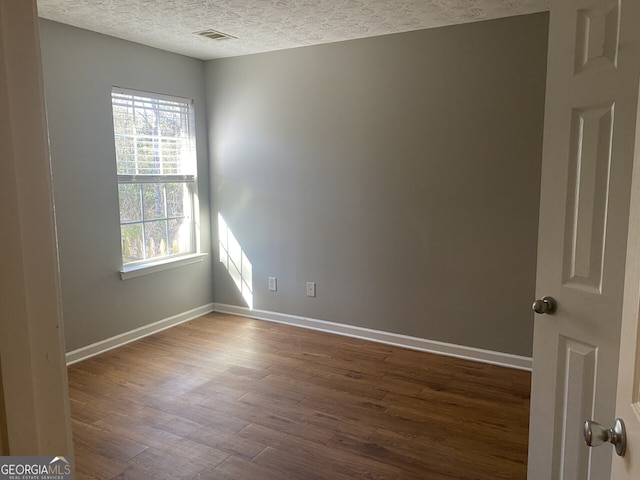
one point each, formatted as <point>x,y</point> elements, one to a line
<point>325,240</point>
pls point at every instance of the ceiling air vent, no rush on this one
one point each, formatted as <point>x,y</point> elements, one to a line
<point>214,35</point>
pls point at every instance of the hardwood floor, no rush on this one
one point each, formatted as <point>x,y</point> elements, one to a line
<point>226,397</point>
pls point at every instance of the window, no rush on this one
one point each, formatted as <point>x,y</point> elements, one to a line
<point>156,166</point>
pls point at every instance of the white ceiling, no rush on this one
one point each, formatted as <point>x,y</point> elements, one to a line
<point>266,25</point>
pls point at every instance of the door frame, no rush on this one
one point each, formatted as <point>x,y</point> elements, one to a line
<point>34,411</point>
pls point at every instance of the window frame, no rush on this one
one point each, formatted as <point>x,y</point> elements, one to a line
<point>189,180</point>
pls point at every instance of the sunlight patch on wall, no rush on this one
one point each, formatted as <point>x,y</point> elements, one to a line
<point>235,261</point>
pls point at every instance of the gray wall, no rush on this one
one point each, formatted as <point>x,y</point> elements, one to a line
<point>80,68</point>
<point>400,173</point>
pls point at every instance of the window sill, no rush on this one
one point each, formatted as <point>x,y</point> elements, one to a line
<point>148,268</point>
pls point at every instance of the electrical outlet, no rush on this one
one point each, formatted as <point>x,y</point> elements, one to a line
<point>273,284</point>
<point>311,289</point>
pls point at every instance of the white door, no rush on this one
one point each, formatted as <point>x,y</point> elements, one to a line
<point>628,395</point>
<point>590,127</point>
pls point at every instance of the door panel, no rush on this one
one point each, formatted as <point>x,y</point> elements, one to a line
<point>577,392</point>
<point>597,36</point>
<point>587,195</point>
<point>590,118</point>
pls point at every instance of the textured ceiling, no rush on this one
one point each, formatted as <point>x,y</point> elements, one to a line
<point>265,25</point>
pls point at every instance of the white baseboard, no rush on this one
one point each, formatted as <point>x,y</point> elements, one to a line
<point>459,351</point>
<point>414,343</point>
<point>128,337</point>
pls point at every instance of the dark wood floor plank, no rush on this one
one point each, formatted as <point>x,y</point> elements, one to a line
<point>235,468</point>
<point>155,464</point>
<point>293,456</point>
<point>99,454</point>
<point>225,397</point>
